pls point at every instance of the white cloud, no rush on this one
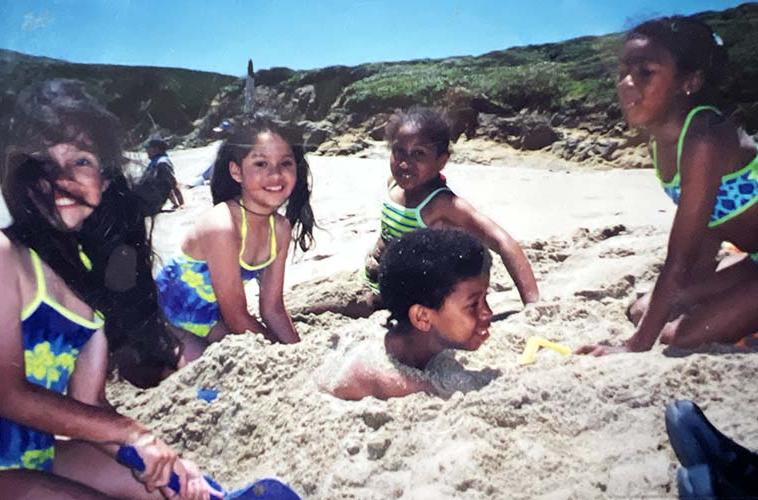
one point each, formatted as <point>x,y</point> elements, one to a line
<point>36,21</point>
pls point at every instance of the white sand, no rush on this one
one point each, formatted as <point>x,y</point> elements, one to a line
<point>564,427</point>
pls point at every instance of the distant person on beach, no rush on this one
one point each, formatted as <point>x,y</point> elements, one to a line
<point>418,196</point>
<point>242,238</point>
<point>667,85</point>
<point>158,181</point>
<point>434,283</point>
<point>222,131</point>
<point>76,264</point>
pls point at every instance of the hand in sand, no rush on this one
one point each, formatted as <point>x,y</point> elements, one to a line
<point>601,350</point>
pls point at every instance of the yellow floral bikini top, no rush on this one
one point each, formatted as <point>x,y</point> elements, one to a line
<point>52,337</point>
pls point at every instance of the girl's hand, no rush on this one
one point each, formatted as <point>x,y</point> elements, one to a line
<point>601,350</point>
<point>159,461</point>
<point>193,485</point>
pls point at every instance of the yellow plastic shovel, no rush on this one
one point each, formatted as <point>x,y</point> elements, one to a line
<point>533,345</point>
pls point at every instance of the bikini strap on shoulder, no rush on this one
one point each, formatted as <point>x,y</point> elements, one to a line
<point>430,197</point>
<point>272,229</point>
<point>243,229</point>
<point>39,273</point>
<point>686,126</point>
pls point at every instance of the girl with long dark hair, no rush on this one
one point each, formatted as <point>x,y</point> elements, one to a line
<point>243,237</point>
<point>76,266</point>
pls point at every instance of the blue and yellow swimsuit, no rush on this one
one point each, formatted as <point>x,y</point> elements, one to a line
<point>738,190</point>
<point>397,220</point>
<point>52,338</point>
<point>185,290</point>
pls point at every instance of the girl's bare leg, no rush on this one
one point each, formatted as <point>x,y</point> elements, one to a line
<point>192,345</point>
<point>726,316</point>
<point>36,485</point>
<point>84,463</point>
<point>703,274</point>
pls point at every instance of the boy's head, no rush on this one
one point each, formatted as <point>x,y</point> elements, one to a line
<point>436,280</point>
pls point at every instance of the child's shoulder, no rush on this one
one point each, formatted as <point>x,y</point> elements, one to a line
<point>282,227</point>
<point>711,134</point>
<point>711,127</point>
<point>11,259</point>
<point>9,251</point>
<point>218,218</point>
<point>443,203</point>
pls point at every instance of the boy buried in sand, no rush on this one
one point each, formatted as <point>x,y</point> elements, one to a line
<point>434,283</point>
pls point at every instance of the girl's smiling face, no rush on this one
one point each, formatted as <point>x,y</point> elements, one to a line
<point>267,174</point>
<point>649,83</point>
<point>414,161</point>
<point>80,185</point>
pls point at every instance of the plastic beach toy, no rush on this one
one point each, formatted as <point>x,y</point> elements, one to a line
<point>262,489</point>
<point>207,394</point>
<point>534,344</point>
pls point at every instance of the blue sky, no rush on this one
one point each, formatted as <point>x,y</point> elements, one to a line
<point>221,35</point>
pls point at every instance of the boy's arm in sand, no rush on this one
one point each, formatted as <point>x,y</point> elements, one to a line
<point>220,243</point>
<point>459,213</point>
<point>270,299</point>
<point>360,381</point>
<point>699,186</point>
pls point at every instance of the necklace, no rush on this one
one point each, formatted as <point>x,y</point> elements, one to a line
<point>239,202</point>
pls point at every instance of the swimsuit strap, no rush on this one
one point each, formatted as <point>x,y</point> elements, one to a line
<point>679,145</point>
<point>243,230</point>
<point>39,275</point>
<point>272,239</point>
<point>686,126</point>
<point>429,198</point>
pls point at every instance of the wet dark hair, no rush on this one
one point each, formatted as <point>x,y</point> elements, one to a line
<point>694,47</point>
<point>431,124</point>
<point>114,237</point>
<point>422,267</point>
<point>237,146</point>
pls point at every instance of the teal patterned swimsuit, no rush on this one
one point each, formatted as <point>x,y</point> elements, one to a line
<point>52,338</point>
<point>185,290</point>
<point>738,190</point>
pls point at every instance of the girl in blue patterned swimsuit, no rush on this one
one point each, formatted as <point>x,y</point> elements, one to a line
<point>670,69</point>
<point>243,237</point>
<point>76,273</point>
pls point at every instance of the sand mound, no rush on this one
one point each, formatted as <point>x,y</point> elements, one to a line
<point>564,427</point>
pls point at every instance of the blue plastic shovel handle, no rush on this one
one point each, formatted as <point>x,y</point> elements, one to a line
<point>128,456</point>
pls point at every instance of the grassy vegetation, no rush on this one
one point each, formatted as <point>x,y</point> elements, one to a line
<point>576,74</point>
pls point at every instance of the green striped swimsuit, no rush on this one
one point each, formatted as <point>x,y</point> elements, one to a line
<point>398,220</point>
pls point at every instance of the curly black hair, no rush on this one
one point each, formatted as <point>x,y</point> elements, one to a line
<point>422,267</point>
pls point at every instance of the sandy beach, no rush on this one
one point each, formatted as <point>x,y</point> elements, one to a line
<point>565,427</point>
